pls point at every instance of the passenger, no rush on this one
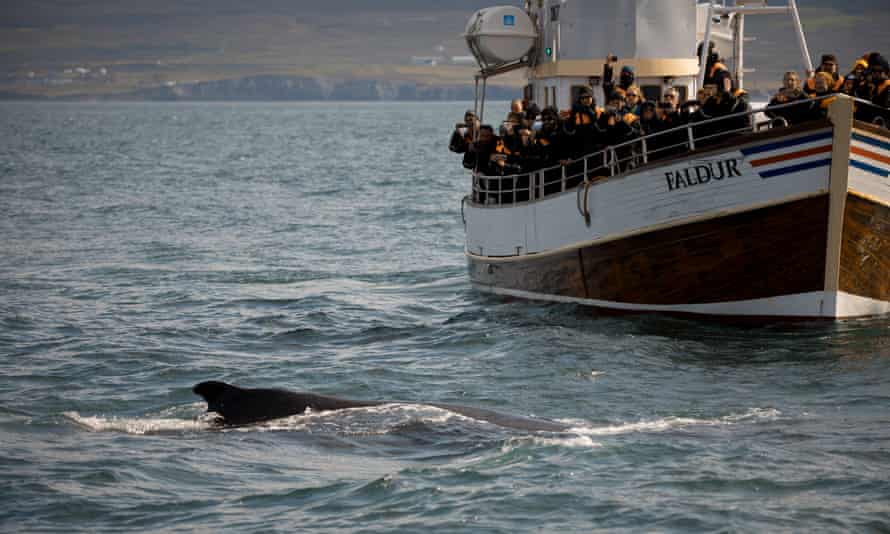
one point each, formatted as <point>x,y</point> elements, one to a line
<point>671,97</point>
<point>828,65</point>
<point>634,100</point>
<point>649,121</point>
<point>517,109</point>
<point>859,68</point>
<point>626,78</point>
<point>741,105</point>
<point>850,83</point>
<point>532,113</point>
<point>864,86</point>
<point>551,140</point>
<point>509,131</point>
<point>880,73</point>
<point>880,78</point>
<point>718,104</point>
<point>478,155</point>
<point>702,97</point>
<point>479,158</point>
<point>791,92</point>
<point>673,142</point>
<point>688,111</point>
<point>716,72</point>
<point>527,160</point>
<point>823,87</point>
<point>618,127</point>
<point>552,146</point>
<point>651,124</point>
<point>580,124</point>
<point>464,133</point>
<point>512,159</point>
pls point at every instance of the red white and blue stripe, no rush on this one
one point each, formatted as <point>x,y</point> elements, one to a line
<point>870,155</point>
<point>790,155</point>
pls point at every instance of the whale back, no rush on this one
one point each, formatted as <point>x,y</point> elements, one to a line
<point>240,406</point>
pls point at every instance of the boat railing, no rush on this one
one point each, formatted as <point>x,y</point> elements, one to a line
<point>627,156</point>
<point>872,113</point>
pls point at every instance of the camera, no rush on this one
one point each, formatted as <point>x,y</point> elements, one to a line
<point>612,59</point>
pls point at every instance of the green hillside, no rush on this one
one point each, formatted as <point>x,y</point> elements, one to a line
<point>143,44</point>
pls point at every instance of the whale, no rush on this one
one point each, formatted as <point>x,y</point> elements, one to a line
<point>237,406</point>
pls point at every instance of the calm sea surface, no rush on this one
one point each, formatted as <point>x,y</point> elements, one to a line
<point>318,247</point>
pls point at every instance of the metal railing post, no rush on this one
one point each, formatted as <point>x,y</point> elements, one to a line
<point>691,137</point>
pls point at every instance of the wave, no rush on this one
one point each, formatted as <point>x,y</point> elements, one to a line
<point>581,433</point>
<point>393,418</point>
<point>671,423</point>
<point>140,426</point>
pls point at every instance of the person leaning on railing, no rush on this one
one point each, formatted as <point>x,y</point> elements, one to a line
<point>717,103</point>
<point>876,89</point>
<point>464,133</point>
<point>551,142</point>
<point>790,93</point>
<point>580,124</point>
<point>487,156</point>
<point>881,79</point>
<point>552,149</point>
<point>828,65</point>
<point>619,126</point>
<point>669,118</point>
<point>478,156</point>
<point>823,86</point>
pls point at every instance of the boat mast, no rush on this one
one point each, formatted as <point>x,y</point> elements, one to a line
<point>737,12</point>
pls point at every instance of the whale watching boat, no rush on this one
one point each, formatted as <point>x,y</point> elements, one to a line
<point>760,219</point>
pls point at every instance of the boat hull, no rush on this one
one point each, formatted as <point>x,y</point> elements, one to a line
<point>803,231</point>
<point>768,262</point>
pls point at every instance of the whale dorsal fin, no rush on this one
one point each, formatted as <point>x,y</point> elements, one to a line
<point>213,392</point>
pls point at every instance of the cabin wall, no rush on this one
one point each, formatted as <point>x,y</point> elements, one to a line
<point>626,28</point>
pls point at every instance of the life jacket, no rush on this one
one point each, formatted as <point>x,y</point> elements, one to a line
<point>501,148</point>
<point>827,102</point>
<point>583,119</point>
<point>717,67</point>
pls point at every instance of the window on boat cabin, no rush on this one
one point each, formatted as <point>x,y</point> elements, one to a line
<point>575,90</point>
<point>553,97</point>
<point>683,90</point>
<point>528,93</point>
<point>651,92</point>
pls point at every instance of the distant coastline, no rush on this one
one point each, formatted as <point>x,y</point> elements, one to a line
<point>282,88</point>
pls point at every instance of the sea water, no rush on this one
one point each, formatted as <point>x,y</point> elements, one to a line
<point>319,247</point>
